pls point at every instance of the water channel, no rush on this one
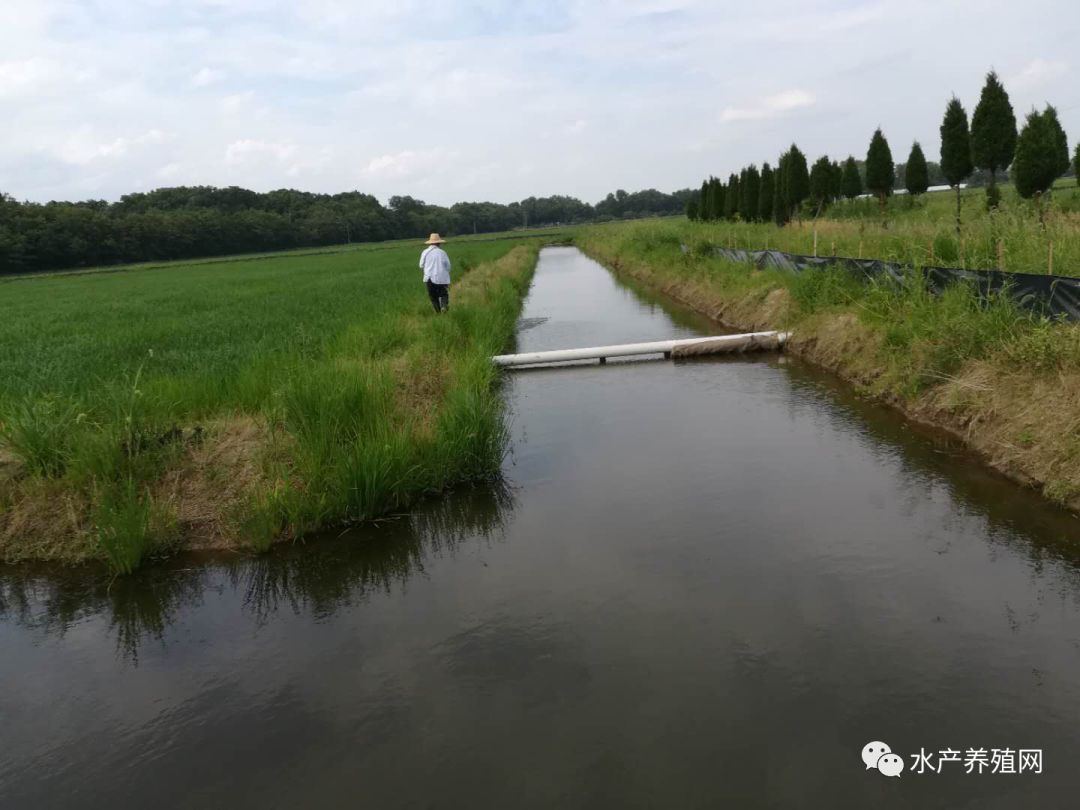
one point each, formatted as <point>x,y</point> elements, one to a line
<point>704,583</point>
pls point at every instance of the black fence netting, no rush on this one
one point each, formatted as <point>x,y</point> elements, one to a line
<point>1052,296</point>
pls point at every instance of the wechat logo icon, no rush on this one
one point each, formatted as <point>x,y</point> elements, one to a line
<point>878,755</point>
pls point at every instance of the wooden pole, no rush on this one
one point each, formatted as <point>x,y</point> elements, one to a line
<point>815,241</point>
<point>833,248</point>
<point>1001,254</point>
<point>1050,260</point>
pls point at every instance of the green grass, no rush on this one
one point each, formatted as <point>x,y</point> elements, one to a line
<point>922,231</point>
<point>926,336</point>
<point>119,387</point>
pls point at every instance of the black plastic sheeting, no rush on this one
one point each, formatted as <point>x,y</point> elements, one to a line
<point>1052,296</point>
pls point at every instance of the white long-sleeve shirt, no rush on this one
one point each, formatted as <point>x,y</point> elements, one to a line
<point>435,264</point>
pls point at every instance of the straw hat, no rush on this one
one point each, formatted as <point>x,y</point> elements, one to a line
<point>434,239</point>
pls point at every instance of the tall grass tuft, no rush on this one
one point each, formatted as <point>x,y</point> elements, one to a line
<point>39,431</point>
<point>124,525</point>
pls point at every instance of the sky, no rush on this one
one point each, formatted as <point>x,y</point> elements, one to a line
<point>448,100</point>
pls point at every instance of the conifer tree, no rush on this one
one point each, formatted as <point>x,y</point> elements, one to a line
<point>692,208</point>
<point>880,170</point>
<point>749,189</point>
<point>781,206</point>
<point>765,192</point>
<point>1050,113</point>
<point>820,183</point>
<point>743,182</point>
<point>794,183</point>
<point>916,176</point>
<point>956,162</point>
<point>703,200</point>
<point>731,199</point>
<point>1037,161</point>
<point>836,181</point>
<point>993,132</point>
<point>1076,164</point>
<point>851,185</point>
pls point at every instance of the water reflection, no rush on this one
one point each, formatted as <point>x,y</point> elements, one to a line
<point>372,558</point>
<point>139,608</point>
<point>933,464</point>
<point>319,577</point>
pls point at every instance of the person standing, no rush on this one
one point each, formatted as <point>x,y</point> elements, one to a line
<point>436,266</point>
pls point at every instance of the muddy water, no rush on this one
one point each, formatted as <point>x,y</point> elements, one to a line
<point>705,584</point>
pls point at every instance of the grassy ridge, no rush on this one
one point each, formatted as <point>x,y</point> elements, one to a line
<point>923,232</point>
<point>1005,381</point>
<point>244,403</point>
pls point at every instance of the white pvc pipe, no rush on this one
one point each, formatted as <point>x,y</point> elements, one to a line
<point>625,349</point>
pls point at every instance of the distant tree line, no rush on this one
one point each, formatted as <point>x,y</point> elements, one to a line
<point>981,154</point>
<point>198,221</point>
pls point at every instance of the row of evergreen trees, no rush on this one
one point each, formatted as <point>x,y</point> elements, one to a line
<point>1037,155</point>
<point>776,195</point>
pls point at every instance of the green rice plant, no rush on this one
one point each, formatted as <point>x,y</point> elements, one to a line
<point>39,431</point>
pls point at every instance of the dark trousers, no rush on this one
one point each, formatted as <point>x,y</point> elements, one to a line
<point>439,295</point>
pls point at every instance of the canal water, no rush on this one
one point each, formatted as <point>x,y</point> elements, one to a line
<point>705,583</point>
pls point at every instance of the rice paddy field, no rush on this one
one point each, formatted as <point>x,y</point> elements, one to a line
<point>239,403</point>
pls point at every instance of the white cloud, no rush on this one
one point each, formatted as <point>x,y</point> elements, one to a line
<point>405,163</point>
<point>81,147</point>
<point>770,107</point>
<point>1037,73</point>
<point>249,150</point>
<point>205,77</point>
<point>311,161</point>
<point>237,102</point>
<point>36,75</point>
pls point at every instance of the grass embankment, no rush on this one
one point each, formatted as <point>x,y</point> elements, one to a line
<point>923,232</point>
<point>1006,382</point>
<point>237,405</point>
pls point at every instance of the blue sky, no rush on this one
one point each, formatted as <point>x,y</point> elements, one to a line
<point>450,100</point>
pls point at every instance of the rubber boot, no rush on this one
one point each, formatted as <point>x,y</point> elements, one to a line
<point>444,303</point>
